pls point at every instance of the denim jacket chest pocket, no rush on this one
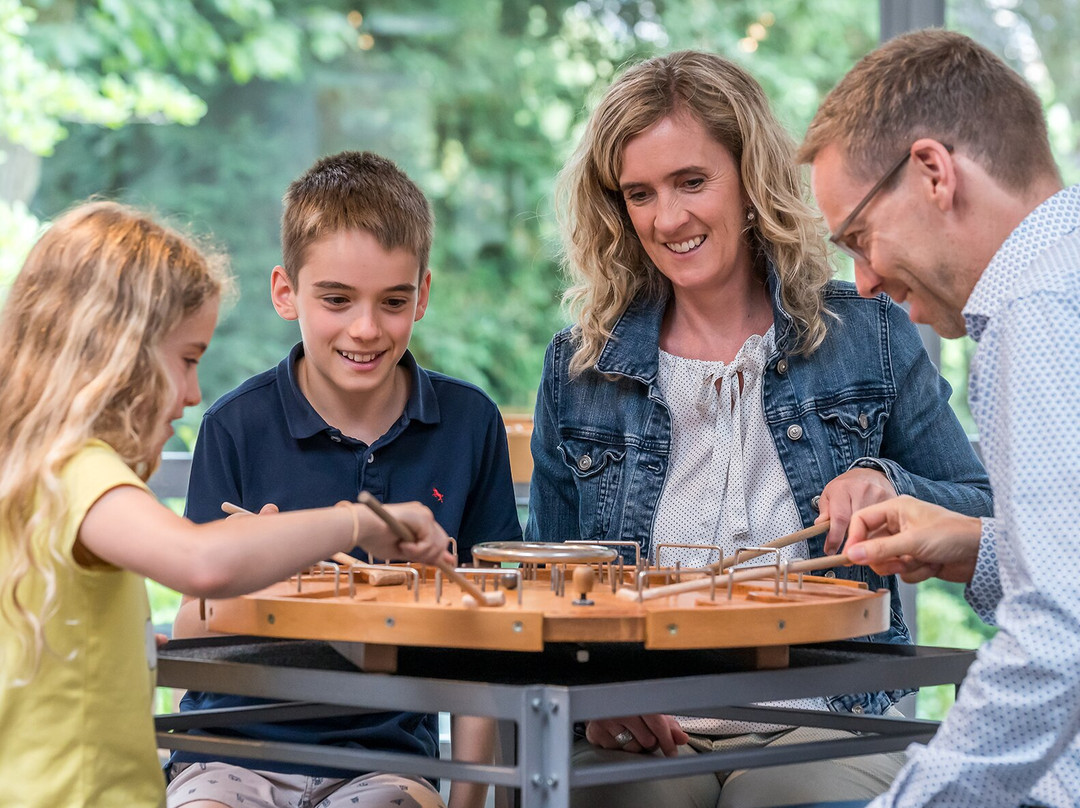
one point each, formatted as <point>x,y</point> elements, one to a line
<point>618,478</point>
<point>854,429</point>
<point>597,470</point>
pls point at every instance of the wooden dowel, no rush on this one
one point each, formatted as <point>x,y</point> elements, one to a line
<point>783,541</point>
<point>482,598</point>
<point>819,563</point>
<point>376,576</point>
<point>737,576</point>
<point>631,593</point>
<point>752,573</point>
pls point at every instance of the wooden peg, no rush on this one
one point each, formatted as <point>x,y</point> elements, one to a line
<point>584,579</point>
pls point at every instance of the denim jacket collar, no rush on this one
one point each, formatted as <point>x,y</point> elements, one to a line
<point>632,349</point>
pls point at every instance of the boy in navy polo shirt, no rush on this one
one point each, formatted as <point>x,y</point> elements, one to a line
<point>349,410</point>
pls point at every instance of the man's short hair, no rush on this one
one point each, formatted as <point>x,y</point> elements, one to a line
<point>354,190</point>
<point>937,84</point>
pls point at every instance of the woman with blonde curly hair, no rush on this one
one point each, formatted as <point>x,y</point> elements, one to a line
<point>718,389</point>
<point>103,331</point>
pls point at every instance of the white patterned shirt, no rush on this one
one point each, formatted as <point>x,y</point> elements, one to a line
<point>1012,736</point>
<point>725,484</point>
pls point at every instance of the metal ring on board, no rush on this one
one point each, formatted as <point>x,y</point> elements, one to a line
<point>543,552</point>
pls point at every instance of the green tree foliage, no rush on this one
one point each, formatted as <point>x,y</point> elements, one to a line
<point>68,66</point>
<point>480,101</point>
<point>1036,37</point>
<point>945,620</point>
<point>38,94</point>
<point>44,84</point>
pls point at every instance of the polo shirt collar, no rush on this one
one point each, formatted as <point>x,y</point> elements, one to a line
<point>1058,215</point>
<point>423,404</point>
<point>304,422</point>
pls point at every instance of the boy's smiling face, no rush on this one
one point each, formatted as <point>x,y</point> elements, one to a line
<point>356,303</point>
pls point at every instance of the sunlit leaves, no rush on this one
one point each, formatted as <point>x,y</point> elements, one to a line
<point>18,229</point>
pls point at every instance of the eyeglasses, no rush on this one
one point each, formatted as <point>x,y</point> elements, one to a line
<point>837,236</point>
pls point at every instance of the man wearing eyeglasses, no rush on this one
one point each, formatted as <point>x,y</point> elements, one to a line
<point>930,161</point>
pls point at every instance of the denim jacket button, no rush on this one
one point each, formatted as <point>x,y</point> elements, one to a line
<point>830,574</point>
<point>864,422</point>
<point>815,503</point>
<point>781,367</point>
<point>857,709</point>
<point>794,432</point>
<point>584,462</point>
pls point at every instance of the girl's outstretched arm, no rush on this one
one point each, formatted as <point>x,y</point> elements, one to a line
<point>127,527</point>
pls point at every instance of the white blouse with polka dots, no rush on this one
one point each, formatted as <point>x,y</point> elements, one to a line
<point>725,486</point>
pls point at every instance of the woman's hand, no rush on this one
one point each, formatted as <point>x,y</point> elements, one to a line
<point>639,733</point>
<point>854,489</point>
<point>916,540</point>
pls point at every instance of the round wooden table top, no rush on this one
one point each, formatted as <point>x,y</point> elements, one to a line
<point>338,604</point>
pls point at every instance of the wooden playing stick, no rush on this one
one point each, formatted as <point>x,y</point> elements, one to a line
<point>762,571</point>
<point>375,577</point>
<point>737,576</point>
<point>230,508</point>
<point>783,541</point>
<point>480,597</point>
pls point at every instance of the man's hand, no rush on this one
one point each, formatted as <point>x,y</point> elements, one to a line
<point>854,489</point>
<point>914,539</point>
<point>649,732</point>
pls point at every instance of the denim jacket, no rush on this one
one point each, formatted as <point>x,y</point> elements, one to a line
<point>868,396</point>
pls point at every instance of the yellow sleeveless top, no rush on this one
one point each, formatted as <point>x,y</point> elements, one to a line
<point>80,732</point>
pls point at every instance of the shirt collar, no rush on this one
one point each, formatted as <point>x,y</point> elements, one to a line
<point>423,404</point>
<point>1045,225</point>
<point>633,348</point>
<point>304,422</point>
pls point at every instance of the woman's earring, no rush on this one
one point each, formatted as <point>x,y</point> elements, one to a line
<point>750,215</point>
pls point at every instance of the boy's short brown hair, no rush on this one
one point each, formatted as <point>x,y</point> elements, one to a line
<point>354,190</point>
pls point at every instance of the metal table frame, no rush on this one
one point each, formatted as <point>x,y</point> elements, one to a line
<point>543,699</point>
